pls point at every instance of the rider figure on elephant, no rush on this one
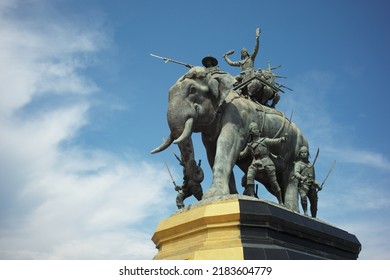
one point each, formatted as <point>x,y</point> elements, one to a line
<point>211,64</point>
<point>254,89</point>
<point>247,61</point>
<point>307,184</point>
<point>258,148</point>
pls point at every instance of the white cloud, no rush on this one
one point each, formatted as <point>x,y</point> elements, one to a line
<point>39,57</point>
<point>62,201</point>
<point>368,158</point>
<point>372,235</point>
<point>309,102</point>
<point>97,214</point>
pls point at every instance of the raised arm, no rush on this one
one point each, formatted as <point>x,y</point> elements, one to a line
<point>276,141</point>
<point>257,44</point>
<point>232,63</point>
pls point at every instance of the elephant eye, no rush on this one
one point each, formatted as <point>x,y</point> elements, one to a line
<point>192,89</point>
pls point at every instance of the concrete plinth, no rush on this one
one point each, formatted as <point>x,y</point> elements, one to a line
<point>246,229</point>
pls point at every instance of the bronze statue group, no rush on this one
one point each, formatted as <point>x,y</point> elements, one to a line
<point>259,86</point>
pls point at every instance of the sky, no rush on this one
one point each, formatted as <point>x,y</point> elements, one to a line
<point>82,104</point>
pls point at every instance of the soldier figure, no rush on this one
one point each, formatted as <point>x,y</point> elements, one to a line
<point>192,179</point>
<point>258,148</point>
<point>307,185</point>
<point>247,61</point>
<point>211,64</point>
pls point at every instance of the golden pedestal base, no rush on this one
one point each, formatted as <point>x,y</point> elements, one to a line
<point>242,228</point>
<point>209,232</point>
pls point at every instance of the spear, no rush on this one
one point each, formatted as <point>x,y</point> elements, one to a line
<point>166,59</point>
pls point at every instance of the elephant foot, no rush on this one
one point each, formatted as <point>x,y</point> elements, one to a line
<point>215,193</point>
<point>250,191</point>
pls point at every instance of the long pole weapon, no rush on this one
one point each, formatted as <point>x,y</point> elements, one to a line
<point>166,59</point>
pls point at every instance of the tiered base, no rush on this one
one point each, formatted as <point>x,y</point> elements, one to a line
<point>243,229</point>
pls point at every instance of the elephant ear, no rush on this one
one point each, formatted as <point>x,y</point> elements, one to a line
<point>220,85</point>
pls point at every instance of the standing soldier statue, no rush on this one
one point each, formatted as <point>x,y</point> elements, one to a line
<point>307,184</point>
<point>258,148</point>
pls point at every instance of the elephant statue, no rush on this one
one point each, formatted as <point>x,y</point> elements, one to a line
<point>203,102</point>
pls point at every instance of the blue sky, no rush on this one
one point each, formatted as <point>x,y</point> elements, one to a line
<point>82,104</point>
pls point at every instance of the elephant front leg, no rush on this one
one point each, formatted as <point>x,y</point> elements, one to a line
<point>226,155</point>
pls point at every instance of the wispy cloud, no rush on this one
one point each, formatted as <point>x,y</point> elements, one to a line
<point>314,116</point>
<point>363,157</point>
<point>63,201</point>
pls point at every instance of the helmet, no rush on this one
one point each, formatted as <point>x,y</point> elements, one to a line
<point>244,53</point>
<point>211,59</point>
<point>252,126</point>
<point>303,149</point>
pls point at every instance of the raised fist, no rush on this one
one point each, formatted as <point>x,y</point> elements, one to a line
<point>258,31</point>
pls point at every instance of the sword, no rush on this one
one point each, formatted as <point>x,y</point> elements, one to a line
<point>315,158</point>
<point>312,165</point>
<point>177,188</point>
<point>327,175</point>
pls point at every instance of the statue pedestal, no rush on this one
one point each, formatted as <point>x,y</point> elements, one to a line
<point>247,229</point>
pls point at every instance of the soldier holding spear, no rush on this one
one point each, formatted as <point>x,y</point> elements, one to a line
<point>192,179</point>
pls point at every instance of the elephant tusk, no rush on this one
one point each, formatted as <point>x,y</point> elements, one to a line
<point>186,132</point>
<point>163,146</point>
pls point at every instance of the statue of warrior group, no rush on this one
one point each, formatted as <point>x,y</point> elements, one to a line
<point>256,155</point>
